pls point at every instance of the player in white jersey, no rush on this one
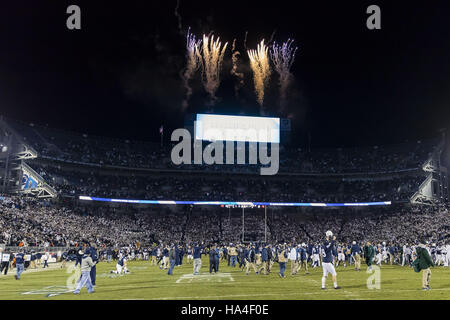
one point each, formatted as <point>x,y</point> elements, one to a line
<point>406,256</point>
<point>190,256</point>
<point>378,256</point>
<point>316,257</point>
<point>341,255</point>
<point>440,258</point>
<point>145,254</point>
<point>384,253</point>
<point>447,260</point>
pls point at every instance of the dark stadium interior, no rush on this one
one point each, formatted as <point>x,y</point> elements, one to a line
<point>86,119</point>
<point>121,70</point>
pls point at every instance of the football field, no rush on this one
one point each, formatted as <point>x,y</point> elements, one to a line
<point>146,282</point>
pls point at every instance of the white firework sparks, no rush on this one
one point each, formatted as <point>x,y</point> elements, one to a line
<point>211,58</point>
<point>283,57</point>
<point>192,64</point>
<point>259,62</point>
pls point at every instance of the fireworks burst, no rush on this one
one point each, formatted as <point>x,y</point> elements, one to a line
<point>259,62</point>
<point>192,64</point>
<point>283,57</point>
<point>211,61</point>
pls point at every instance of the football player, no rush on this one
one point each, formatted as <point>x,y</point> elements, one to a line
<point>341,255</point>
<point>327,260</point>
<point>121,266</point>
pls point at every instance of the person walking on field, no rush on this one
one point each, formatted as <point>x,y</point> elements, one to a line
<point>423,263</point>
<point>292,256</point>
<point>282,259</point>
<point>250,260</point>
<point>264,259</point>
<point>327,261</point>
<point>197,258</point>
<point>303,258</point>
<point>172,259</point>
<point>20,260</point>
<point>86,265</point>
<point>213,261</point>
<point>369,253</point>
<point>356,254</point>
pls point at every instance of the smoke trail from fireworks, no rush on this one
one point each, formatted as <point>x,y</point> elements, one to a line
<point>211,59</point>
<point>239,75</point>
<point>192,64</point>
<point>272,36</point>
<point>177,14</point>
<point>259,62</point>
<point>245,40</point>
<point>283,57</point>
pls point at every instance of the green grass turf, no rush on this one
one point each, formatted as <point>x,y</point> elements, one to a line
<point>149,282</point>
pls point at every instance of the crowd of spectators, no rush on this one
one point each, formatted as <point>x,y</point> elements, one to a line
<point>198,187</point>
<point>25,222</point>
<point>99,151</point>
<point>399,224</point>
<point>41,223</point>
<point>81,165</point>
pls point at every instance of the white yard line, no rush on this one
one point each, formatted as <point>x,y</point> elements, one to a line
<point>189,277</point>
<point>12,272</point>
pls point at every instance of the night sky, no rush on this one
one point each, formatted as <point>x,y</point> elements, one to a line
<point>119,76</point>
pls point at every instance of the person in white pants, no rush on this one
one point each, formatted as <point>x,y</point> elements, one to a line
<point>293,259</point>
<point>406,256</point>
<point>384,252</point>
<point>121,266</point>
<point>439,256</point>
<point>197,266</point>
<point>447,260</point>
<point>341,257</point>
<point>379,256</point>
<point>316,257</point>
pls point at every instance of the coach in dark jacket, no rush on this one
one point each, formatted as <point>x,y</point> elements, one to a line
<point>423,262</point>
<point>241,255</point>
<point>212,259</point>
<point>172,259</point>
<point>369,253</point>
<point>94,256</point>
<point>265,260</point>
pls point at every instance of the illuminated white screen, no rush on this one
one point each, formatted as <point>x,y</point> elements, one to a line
<point>211,127</point>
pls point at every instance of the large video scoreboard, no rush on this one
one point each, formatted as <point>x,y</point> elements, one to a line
<point>210,127</point>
